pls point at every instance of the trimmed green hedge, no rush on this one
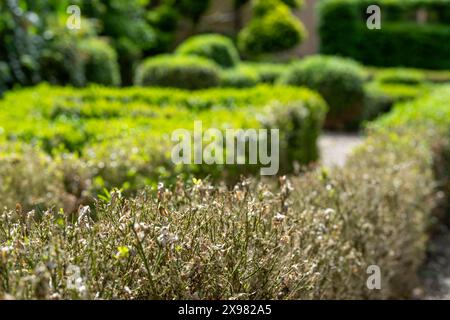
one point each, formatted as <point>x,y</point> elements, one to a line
<point>215,47</point>
<point>399,42</point>
<point>122,137</point>
<point>273,28</point>
<point>267,72</point>
<point>240,77</point>
<point>380,97</point>
<point>401,76</point>
<point>186,72</point>
<point>340,81</point>
<point>100,62</point>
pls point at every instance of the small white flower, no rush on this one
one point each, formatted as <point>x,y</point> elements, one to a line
<point>279,217</point>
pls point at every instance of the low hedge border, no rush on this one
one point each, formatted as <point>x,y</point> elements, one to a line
<point>121,137</point>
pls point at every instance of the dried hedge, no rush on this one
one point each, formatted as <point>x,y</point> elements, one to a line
<point>311,238</point>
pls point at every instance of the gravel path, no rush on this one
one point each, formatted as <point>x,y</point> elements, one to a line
<point>335,147</point>
<point>435,274</point>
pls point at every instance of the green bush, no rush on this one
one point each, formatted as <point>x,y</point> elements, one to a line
<point>430,110</point>
<point>267,72</point>
<point>340,81</point>
<point>380,97</point>
<point>343,31</point>
<point>122,136</point>
<point>401,76</point>
<point>271,31</point>
<point>100,62</point>
<point>239,77</point>
<point>261,8</point>
<point>185,72</point>
<point>215,47</point>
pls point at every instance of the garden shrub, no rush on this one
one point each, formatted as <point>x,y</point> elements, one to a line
<point>267,72</point>
<point>215,47</point>
<point>186,72</point>
<point>343,31</point>
<point>380,97</point>
<point>340,81</point>
<point>61,60</point>
<point>272,29</point>
<point>100,62</point>
<point>31,178</point>
<point>239,77</point>
<point>430,109</point>
<point>122,136</point>
<point>401,76</point>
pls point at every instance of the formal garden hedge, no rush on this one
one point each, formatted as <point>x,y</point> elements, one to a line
<point>343,31</point>
<point>215,47</point>
<point>311,237</point>
<point>340,82</point>
<point>99,138</point>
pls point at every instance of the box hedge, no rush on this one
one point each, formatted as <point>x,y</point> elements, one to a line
<point>122,136</point>
<point>240,77</point>
<point>100,62</point>
<point>343,31</point>
<point>186,72</point>
<point>215,47</point>
<point>273,28</point>
<point>340,81</point>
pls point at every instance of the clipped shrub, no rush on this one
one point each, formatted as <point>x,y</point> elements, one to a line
<point>380,97</point>
<point>401,76</point>
<point>267,72</point>
<point>262,7</point>
<point>122,136</point>
<point>100,62</point>
<point>271,30</point>
<point>340,81</point>
<point>215,47</point>
<point>185,72</point>
<point>239,77</point>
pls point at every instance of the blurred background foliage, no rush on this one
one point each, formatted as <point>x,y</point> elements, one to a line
<point>36,45</point>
